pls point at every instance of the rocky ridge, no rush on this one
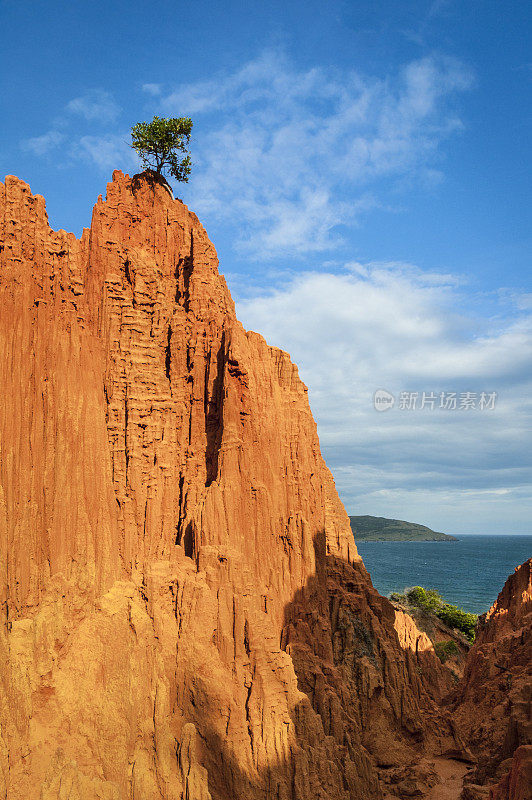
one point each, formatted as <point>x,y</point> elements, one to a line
<point>493,703</point>
<point>184,612</point>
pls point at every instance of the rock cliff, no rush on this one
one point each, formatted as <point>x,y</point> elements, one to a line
<point>183,610</point>
<point>493,704</point>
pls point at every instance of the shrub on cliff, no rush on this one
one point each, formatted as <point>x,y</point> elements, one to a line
<point>454,617</point>
<point>161,144</point>
<point>457,618</point>
<point>429,599</point>
<point>445,650</point>
<point>397,597</point>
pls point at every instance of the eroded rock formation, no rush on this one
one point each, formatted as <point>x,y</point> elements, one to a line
<point>493,705</point>
<point>184,613</point>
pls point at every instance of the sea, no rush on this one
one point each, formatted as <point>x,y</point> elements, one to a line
<point>469,573</point>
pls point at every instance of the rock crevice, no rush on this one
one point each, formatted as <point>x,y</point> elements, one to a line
<point>184,612</point>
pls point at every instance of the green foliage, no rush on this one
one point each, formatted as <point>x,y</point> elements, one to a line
<point>445,650</point>
<point>457,618</point>
<point>454,617</point>
<point>429,599</point>
<point>395,597</point>
<point>161,144</point>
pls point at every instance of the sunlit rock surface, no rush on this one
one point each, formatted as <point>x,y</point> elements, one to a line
<point>184,613</point>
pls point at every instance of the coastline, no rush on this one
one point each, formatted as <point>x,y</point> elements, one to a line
<point>469,575</point>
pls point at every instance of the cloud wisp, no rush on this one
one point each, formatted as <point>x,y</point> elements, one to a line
<point>296,155</point>
<point>393,327</point>
<point>107,151</point>
<point>95,105</point>
<point>41,145</point>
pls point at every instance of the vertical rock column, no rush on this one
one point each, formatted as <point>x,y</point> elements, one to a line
<point>57,508</point>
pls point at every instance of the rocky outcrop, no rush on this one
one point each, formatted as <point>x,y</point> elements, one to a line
<point>439,634</point>
<point>493,705</point>
<point>184,613</point>
<point>517,783</point>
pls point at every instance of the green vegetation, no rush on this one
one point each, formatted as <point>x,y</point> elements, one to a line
<point>396,597</point>
<point>430,600</point>
<point>382,529</point>
<point>446,650</point>
<point>161,143</point>
<point>457,618</point>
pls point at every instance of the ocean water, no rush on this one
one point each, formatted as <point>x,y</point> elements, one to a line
<point>469,573</point>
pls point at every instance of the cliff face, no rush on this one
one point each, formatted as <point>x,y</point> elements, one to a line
<point>493,704</point>
<point>184,613</point>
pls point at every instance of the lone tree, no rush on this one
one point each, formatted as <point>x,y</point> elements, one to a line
<point>160,144</point>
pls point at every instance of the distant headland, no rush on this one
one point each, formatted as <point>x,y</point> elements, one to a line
<point>381,529</point>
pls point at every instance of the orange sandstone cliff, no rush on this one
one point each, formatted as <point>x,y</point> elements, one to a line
<point>493,704</point>
<point>183,611</point>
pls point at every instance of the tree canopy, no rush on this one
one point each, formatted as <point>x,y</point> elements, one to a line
<point>162,144</point>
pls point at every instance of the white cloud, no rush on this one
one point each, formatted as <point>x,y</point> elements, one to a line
<point>96,105</point>
<point>391,326</point>
<point>41,145</point>
<point>154,89</point>
<point>295,154</point>
<point>108,152</point>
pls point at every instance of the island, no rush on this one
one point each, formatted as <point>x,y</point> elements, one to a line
<point>381,529</point>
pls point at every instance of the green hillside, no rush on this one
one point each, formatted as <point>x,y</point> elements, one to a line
<point>381,529</point>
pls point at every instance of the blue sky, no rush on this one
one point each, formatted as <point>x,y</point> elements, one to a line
<point>363,170</point>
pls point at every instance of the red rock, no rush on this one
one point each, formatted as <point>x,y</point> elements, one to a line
<point>493,705</point>
<point>184,612</point>
<point>517,783</point>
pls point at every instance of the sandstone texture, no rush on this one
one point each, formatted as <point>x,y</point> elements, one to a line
<point>184,615</point>
<point>438,632</point>
<point>493,704</point>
